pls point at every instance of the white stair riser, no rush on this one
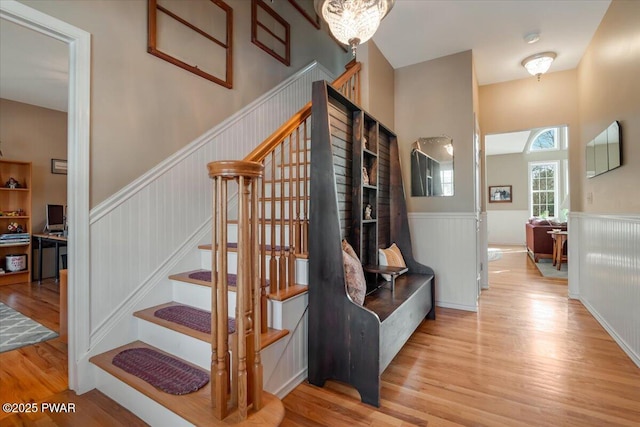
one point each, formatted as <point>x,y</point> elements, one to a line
<point>302,265</point>
<point>232,232</point>
<point>280,207</point>
<point>183,346</point>
<point>198,296</point>
<point>145,408</point>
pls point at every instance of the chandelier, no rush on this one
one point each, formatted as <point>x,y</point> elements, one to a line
<point>353,22</point>
<point>539,63</point>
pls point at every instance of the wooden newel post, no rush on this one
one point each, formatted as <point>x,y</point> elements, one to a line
<point>245,382</point>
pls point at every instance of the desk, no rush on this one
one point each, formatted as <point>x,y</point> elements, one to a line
<point>559,237</point>
<point>57,241</point>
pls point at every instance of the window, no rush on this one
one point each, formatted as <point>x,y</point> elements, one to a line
<point>545,140</point>
<point>543,188</point>
<point>447,182</point>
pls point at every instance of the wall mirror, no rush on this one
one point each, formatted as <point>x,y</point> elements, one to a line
<point>432,167</point>
<point>603,153</point>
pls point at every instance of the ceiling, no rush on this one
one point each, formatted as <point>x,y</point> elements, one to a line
<point>34,68</point>
<point>419,30</point>
<point>506,143</point>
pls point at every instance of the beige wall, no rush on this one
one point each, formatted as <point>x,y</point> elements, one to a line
<point>37,135</point>
<point>431,99</point>
<point>377,84</point>
<point>526,104</point>
<point>143,108</point>
<point>609,89</point>
<point>513,169</point>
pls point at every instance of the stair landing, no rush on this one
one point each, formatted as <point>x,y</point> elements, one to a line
<point>194,407</point>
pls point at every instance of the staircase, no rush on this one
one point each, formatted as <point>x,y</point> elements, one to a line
<point>259,251</point>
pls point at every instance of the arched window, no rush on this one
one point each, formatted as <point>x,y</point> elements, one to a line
<point>546,139</point>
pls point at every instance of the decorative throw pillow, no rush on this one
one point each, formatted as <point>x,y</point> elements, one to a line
<point>390,257</point>
<point>349,249</point>
<point>354,278</point>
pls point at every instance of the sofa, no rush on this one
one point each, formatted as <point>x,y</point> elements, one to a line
<point>539,242</point>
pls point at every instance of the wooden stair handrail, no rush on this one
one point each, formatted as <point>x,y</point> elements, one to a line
<point>269,144</point>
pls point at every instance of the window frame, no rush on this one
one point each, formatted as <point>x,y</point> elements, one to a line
<point>556,194</point>
<point>534,136</point>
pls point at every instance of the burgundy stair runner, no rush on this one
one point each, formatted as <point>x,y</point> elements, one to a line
<point>205,276</point>
<point>161,371</point>
<point>191,317</point>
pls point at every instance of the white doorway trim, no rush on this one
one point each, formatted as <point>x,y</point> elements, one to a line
<point>78,127</point>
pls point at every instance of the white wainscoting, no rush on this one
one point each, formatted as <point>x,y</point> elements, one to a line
<point>507,227</point>
<point>142,232</point>
<point>447,243</point>
<point>604,273</point>
<point>484,254</point>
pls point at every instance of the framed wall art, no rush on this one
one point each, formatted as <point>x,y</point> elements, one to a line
<point>500,194</point>
<point>59,166</point>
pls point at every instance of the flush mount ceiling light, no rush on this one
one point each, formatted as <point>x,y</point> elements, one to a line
<point>539,63</point>
<point>353,22</point>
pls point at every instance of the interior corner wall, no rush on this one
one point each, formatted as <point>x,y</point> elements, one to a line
<point>609,89</point>
<point>143,109</point>
<point>435,98</point>
<point>377,84</point>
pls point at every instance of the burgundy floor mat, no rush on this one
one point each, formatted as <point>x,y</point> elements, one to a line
<point>205,276</point>
<point>161,371</point>
<point>191,317</point>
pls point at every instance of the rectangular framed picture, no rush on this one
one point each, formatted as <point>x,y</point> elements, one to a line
<point>500,194</point>
<point>59,166</point>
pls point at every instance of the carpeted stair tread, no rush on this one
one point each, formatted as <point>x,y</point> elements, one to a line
<point>148,314</point>
<point>162,371</point>
<point>184,277</point>
<point>203,277</point>
<point>192,318</point>
<point>194,407</point>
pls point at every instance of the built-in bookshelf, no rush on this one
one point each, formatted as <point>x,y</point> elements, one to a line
<point>15,222</point>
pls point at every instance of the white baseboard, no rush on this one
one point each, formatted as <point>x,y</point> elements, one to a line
<point>290,385</point>
<point>444,304</point>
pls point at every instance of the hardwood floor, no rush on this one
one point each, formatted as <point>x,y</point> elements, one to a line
<point>38,373</point>
<point>529,357</point>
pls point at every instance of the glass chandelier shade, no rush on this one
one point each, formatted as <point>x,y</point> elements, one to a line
<point>353,22</point>
<point>539,63</point>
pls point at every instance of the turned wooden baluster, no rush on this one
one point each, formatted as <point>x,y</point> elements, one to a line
<point>246,386</point>
<point>262,248</point>
<point>273,262</point>
<point>293,181</point>
<point>282,260</point>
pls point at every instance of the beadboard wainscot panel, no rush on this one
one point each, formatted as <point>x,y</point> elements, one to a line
<point>607,250</point>
<point>285,361</point>
<point>507,227</point>
<point>484,255</point>
<point>151,228</point>
<point>447,243</point>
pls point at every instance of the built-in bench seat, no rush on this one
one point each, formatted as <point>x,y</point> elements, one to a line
<point>384,302</point>
<point>349,342</point>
